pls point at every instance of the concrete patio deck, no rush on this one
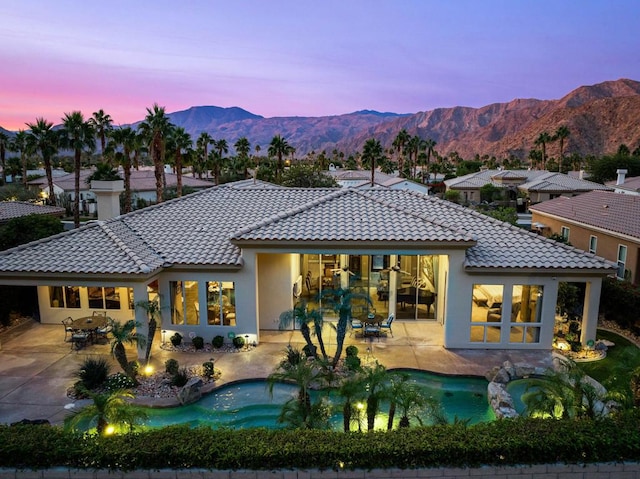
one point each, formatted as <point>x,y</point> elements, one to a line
<point>37,366</point>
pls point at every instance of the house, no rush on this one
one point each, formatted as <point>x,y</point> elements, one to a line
<point>229,259</point>
<point>625,186</point>
<point>143,186</point>
<point>15,209</point>
<point>537,185</point>
<point>600,222</point>
<point>362,179</point>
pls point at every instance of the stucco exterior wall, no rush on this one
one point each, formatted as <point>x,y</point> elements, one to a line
<point>607,247</point>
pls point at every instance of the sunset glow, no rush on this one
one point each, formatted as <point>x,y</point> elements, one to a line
<point>292,58</point>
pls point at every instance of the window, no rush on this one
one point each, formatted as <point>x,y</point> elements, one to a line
<point>526,313</point>
<point>622,259</point>
<point>103,298</point>
<point>593,244</point>
<point>185,307</point>
<point>486,313</point>
<point>221,303</point>
<point>564,232</point>
<point>64,296</point>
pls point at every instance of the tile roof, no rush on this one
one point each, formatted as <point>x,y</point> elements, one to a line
<point>630,184</point>
<point>559,182</point>
<point>15,209</point>
<point>208,227</point>
<point>602,209</point>
<point>483,177</point>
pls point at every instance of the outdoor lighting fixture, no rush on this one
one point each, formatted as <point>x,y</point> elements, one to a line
<point>109,430</point>
<point>164,331</point>
<point>148,370</point>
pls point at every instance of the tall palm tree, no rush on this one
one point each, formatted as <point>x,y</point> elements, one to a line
<point>77,134</point>
<point>351,390</point>
<point>401,139</point>
<point>542,141</point>
<point>243,147</point>
<point>215,163</point>
<point>561,134</point>
<point>202,144</point>
<point>125,137</point>
<point>156,127</point>
<point>109,408</point>
<point>152,309</point>
<point>372,153</point>
<point>124,334</point>
<point>20,144</point>
<point>102,124</point>
<point>181,142</point>
<point>429,145</point>
<point>44,138</point>
<point>4,146</point>
<point>279,147</point>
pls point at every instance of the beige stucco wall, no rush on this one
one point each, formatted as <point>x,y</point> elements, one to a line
<point>607,243</point>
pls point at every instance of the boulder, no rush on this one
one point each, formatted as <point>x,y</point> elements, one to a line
<point>524,370</point>
<point>190,392</point>
<point>509,367</point>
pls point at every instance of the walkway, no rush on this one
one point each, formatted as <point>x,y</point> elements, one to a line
<point>37,367</point>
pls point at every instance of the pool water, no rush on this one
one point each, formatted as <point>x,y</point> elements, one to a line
<point>248,404</point>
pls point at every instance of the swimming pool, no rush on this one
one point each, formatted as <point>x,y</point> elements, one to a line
<point>248,404</point>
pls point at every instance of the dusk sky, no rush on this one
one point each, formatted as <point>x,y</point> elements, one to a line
<point>304,58</point>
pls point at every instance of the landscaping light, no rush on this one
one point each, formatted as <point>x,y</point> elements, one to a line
<point>109,430</point>
<point>148,370</point>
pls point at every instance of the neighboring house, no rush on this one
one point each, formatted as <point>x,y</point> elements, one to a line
<point>538,185</point>
<point>626,186</point>
<point>230,259</point>
<point>143,186</point>
<point>15,209</point>
<point>362,179</point>
<point>601,222</point>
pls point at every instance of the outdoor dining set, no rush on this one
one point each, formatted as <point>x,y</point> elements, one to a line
<point>372,325</point>
<point>86,330</point>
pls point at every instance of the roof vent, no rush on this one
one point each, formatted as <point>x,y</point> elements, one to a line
<point>621,175</point>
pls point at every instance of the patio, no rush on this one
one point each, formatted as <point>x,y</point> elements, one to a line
<point>37,366</point>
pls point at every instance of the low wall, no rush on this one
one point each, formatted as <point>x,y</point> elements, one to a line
<point>540,471</point>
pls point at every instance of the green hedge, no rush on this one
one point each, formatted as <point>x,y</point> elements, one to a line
<point>620,302</point>
<point>505,442</point>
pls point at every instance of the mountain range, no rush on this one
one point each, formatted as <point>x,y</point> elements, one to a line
<point>599,117</point>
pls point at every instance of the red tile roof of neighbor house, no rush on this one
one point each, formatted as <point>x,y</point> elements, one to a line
<point>602,209</point>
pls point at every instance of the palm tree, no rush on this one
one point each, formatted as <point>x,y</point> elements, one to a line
<point>372,153</point>
<point>215,163</point>
<point>77,134</point>
<point>202,144</point>
<point>301,316</point>
<point>42,137</point>
<point>542,141</point>
<point>156,128</point>
<point>124,334</point>
<point>102,124</point>
<point>109,408</point>
<point>126,137</point>
<point>401,139</point>
<point>20,144</point>
<point>562,133</point>
<point>429,145</point>
<point>340,301</point>
<point>181,142</point>
<point>243,147</point>
<point>409,398</point>
<point>375,378</point>
<point>4,146</point>
<point>279,147</point>
<point>152,309</point>
<point>351,390</point>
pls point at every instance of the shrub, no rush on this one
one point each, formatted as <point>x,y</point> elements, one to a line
<point>238,342</point>
<point>198,342</point>
<point>620,302</point>
<point>118,381</point>
<point>352,363</point>
<point>93,372</point>
<point>351,350</point>
<point>171,366</point>
<point>207,369</point>
<point>176,339</point>
<point>217,342</point>
<point>180,378</point>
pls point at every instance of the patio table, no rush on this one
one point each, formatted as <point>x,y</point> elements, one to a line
<point>89,323</point>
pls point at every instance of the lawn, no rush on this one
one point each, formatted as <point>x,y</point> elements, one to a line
<point>614,371</point>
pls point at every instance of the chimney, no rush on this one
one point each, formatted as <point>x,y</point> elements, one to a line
<point>621,175</point>
<point>581,175</point>
<point>108,197</point>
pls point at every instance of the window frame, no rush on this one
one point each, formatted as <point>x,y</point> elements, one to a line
<point>593,244</point>
<point>565,231</point>
<point>621,262</point>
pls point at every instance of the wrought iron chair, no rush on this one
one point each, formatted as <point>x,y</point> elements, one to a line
<point>387,324</point>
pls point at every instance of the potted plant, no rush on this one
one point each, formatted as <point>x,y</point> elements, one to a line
<point>176,339</point>
<point>198,342</point>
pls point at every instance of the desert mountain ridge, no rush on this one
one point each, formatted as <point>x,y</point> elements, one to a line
<point>599,117</point>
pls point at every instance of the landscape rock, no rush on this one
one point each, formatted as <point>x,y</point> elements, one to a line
<point>190,392</point>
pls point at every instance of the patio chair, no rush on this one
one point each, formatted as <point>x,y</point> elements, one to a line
<point>387,324</point>
<point>68,327</point>
<point>99,314</point>
<point>101,334</point>
<point>79,340</point>
<point>356,324</point>
<point>372,330</point>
